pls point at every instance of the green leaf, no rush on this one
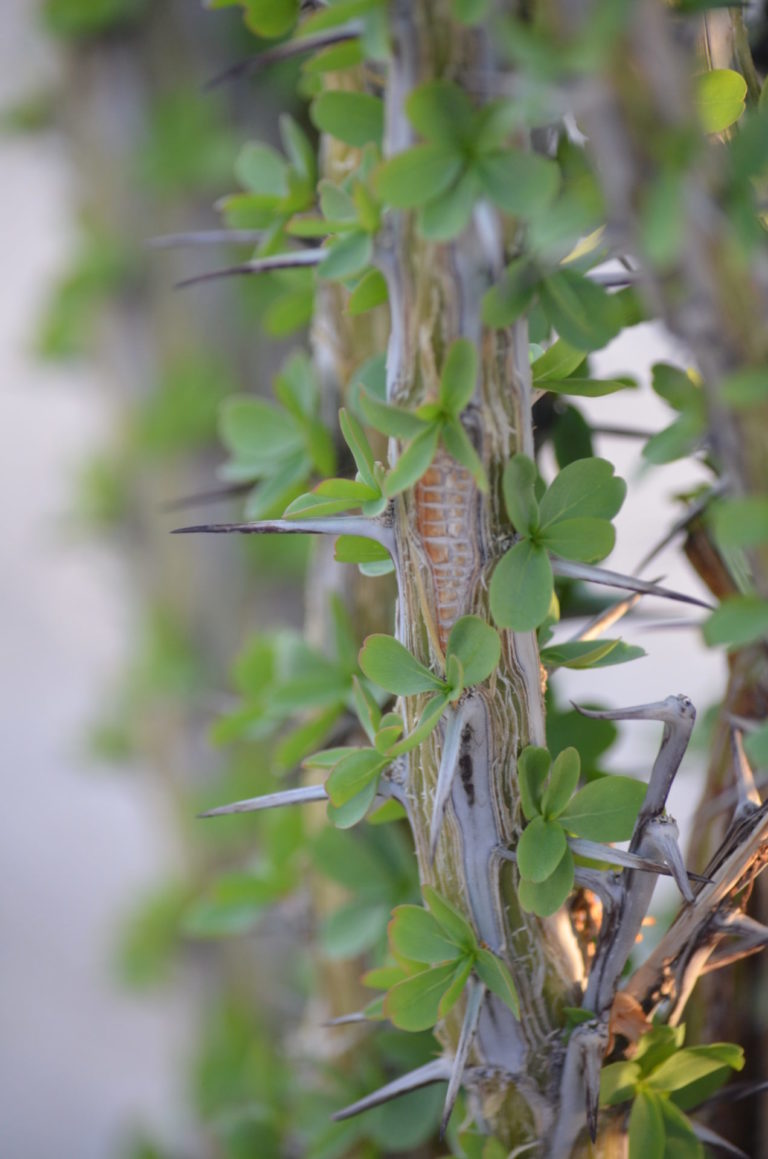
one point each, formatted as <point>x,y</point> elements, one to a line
<point>371,291</point>
<point>447,216</point>
<point>478,647</point>
<point>605,809</point>
<point>459,376</point>
<point>356,549</point>
<point>681,1141</point>
<point>459,446</point>
<point>679,439</point>
<point>271,18</point>
<point>387,663</point>
<point>352,929</point>
<point>576,653</point>
<point>738,621</point>
<point>413,462</point>
<point>507,300</point>
<point>428,722</point>
<point>257,434</point>
<point>521,588</point>
<point>353,774</point>
<point>556,363</point>
<point>315,506</point>
<point>519,487</point>
<point>493,971</point>
<point>414,1004</point>
<point>346,815</point>
<point>417,175</point>
<point>618,1081</point>
<point>442,113</point>
<point>587,540</point>
<point>646,1127</point>
<point>583,313</point>
<point>356,440</point>
<point>545,898</point>
<point>415,934</point>
<point>687,1067</point>
<point>451,920</point>
<point>540,849</point>
<point>355,118</point>
<point>676,387</point>
<point>335,203</point>
<point>563,779</point>
<point>520,183</point>
<point>261,169</point>
<point>586,387</point>
<point>347,256</point>
<point>353,492</point>
<point>720,97</point>
<point>532,768</point>
<point>456,988</point>
<point>393,421</point>
<point>587,488</point>
<point>299,148</point>
<point>454,677</point>
<point>741,522</point>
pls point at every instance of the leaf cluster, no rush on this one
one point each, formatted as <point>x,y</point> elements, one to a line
<point>603,810</point>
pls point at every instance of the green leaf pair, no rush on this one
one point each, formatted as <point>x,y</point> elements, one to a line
<point>583,313</point>
<point>281,445</point>
<point>571,519</point>
<point>438,950</point>
<point>604,810</point>
<point>276,186</point>
<point>664,1080</point>
<point>473,652</point>
<point>432,422</point>
<point>335,495</point>
<point>684,435</point>
<point>465,155</point>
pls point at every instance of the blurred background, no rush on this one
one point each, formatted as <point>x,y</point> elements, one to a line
<point>152,995</point>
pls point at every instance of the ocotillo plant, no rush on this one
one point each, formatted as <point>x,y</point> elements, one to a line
<point>501,190</point>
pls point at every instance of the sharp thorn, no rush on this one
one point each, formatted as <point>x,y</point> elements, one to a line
<point>748,796</point>
<point>333,525</point>
<point>284,51</point>
<point>595,851</point>
<point>301,796</point>
<point>298,258</point>
<point>449,763</point>
<point>712,1139</point>
<point>437,1071</point>
<point>605,620</point>
<point>660,835</point>
<point>347,1019</point>
<point>613,579</point>
<point>475,995</point>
